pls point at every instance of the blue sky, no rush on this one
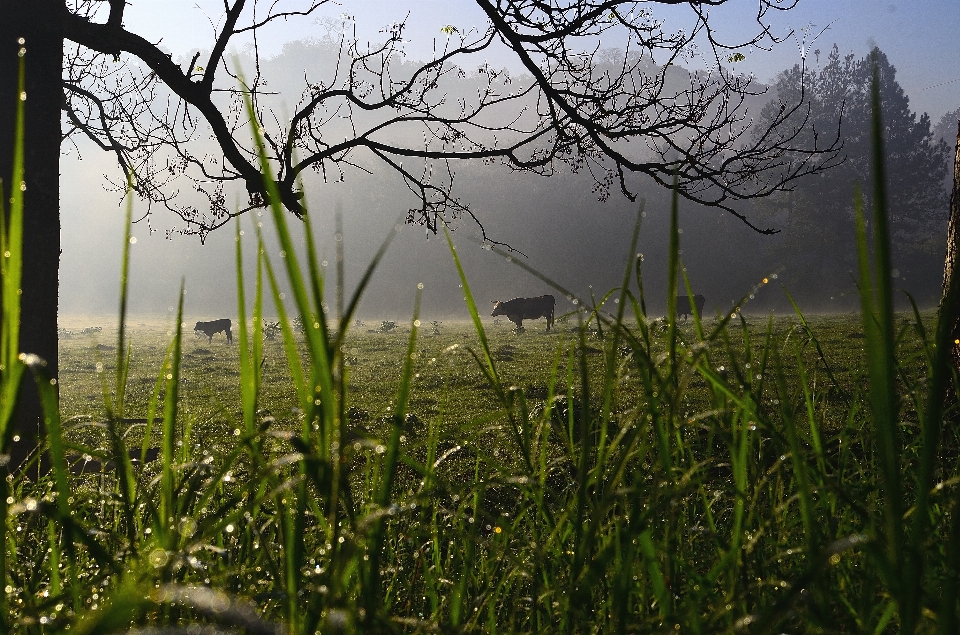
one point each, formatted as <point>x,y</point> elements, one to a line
<point>921,37</point>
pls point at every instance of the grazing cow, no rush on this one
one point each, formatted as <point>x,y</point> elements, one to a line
<point>216,326</point>
<point>520,309</point>
<point>684,305</point>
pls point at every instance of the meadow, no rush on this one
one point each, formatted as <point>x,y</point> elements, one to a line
<point>624,474</point>
<point>739,489</point>
<point>448,385</point>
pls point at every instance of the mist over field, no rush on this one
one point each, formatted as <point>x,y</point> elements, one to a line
<point>556,224</point>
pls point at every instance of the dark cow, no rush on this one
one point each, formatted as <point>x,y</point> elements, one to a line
<point>519,309</point>
<point>215,326</point>
<point>684,305</point>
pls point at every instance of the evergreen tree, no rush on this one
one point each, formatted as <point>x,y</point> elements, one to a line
<point>816,245</point>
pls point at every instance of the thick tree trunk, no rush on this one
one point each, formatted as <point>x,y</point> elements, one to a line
<point>950,271</point>
<point>38,23</point>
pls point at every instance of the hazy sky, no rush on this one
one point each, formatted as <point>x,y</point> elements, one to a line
<point>918,36</point>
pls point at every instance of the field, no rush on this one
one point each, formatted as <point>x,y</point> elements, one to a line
<point>449,387</point>
<point>738,488</point>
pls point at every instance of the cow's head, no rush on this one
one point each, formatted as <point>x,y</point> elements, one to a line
<point>497,308</point>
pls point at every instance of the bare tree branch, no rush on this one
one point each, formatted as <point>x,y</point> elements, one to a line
<point>613,115</point>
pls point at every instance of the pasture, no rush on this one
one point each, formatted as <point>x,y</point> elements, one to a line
<point>448,385</point>
<point>738,486</point>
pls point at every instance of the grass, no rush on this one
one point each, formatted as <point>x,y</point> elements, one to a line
<point>448,382</point>
<point>621,475</point>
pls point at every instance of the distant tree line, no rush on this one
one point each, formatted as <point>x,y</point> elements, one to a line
<point>816,246</point>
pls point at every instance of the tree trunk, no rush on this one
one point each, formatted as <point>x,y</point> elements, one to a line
<point>950,272</point>
<point>38,23</point>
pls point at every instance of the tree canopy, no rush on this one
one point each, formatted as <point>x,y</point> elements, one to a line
<point>817,213</point>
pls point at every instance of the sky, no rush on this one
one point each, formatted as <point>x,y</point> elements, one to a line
<point>919,38</point>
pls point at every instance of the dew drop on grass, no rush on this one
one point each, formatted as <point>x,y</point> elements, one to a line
<point>158,557</point>
<point>133,240</point>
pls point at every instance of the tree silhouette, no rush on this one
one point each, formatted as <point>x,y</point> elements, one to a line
<point>615,117</point>
<point>818,211</point>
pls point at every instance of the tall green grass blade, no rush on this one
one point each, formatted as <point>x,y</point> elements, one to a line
<point>249,371</point>
<point>584,521</point>
<point>154,402</point>
<point>116,406</point>
<point>797,456</point>
<point>372,593</point>
<point>304,392</point>
<point>170,438</point>
<point>338,239</point>
<point>46,386</point>
<point>489,365</point>
<point>876,299</point>
<point>354,302</point>
<point>321,368</point>
<point>611,366</point>
<point>808,400</point>
<point>117,612</point>
<point>657,581</point>
<point>673,266</point>
<point>11,367</point>
<point>49,400</point>
<point>816,342</point>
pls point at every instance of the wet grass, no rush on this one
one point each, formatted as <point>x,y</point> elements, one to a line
<point>448,384</point>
